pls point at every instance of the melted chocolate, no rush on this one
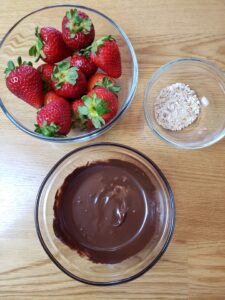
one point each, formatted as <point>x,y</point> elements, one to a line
<point>104,210</point>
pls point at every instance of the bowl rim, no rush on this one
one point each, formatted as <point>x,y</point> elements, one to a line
<point>127,101</point>
<point>171,229</point>
<point>149,85</point>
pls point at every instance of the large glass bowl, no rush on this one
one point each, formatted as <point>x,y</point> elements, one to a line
<point>20,38</point>
<point>209,84</point>
<point>69,261</point>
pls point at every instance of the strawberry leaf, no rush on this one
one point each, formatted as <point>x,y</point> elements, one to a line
<point>76,23</point>
<point>107,38</point>
<point>37,31</point>
<point>48,130</point>
<point>102,108</point>
<point>94,47</point>
<point>83,110</point>
<point>87,100</point>
<point>62,72</point>
<point>36,50</point>
<point>108,84</point>
<point>94,108</point>
<point>58,85</point>
<point>72,75</point>
<point>11,66</point>
<point>98,122</point>
<point>39,44</point>
<point>69,14</point>
<point>33,51</point>
<point>19,61</point>
<point>63,66</point>
<point>86,24</point>
<point>54,74</point>
<point>77,19</point>
<point>98,43</point>
<point>86,51</point>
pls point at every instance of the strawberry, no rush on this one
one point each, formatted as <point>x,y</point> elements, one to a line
<point>67,81</point>
<point>96,108</point>
<point>84,64</point>
<point>49,46</point>
<point>25,82</point>
<point>46,71</point>
<point>54,119</point>
<point>77,30</point>
<point>51,96</point>
<point>75,105</point>
<point>110,99</point>
<point>106,55</point>
<point>77,119</point>
<point>103,80</point>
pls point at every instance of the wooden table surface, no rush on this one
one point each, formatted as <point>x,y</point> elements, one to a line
<point>194,265</point>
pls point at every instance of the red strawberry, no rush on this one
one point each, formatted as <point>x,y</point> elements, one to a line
<point>67,81</point>
<point>98,108</point>
<point>46,71</point>
<point>77,119</point>
<point>25,82</point>
<point>103,80</point>
<point>49,46</point>
<point>51,96</point>
<point>77,30</point>
<point>110,99</point>
<point>106,55</point>
<point>75,105</point>
<point>84,64</point>
<point>54,119</point>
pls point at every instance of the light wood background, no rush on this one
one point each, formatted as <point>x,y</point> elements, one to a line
<point>194,264</point>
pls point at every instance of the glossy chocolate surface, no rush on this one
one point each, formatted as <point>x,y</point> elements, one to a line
<point>106,210</point>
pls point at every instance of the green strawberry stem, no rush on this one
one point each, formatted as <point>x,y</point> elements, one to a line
<point>64,73</point>
<point>11,66</point>
<point>96,44</point>
<point>108,84</point>
<point>81,121</point>
<point>48,130</point>
<point>76,23</point>
<point>93,109</point>
<point>36,50</point>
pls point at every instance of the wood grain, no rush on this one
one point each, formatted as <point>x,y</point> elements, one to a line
<point>194,265</point>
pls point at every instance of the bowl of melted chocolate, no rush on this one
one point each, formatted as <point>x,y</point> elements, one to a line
<point>105,214</point>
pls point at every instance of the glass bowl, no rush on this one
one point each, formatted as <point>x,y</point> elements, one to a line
<point>20,38</point>
<point>209,84</point>
<point>69,261</point>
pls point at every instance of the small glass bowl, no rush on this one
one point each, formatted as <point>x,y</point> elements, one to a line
<point>20,38</point>
<point>69,261</point>
<point>209,84</point>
